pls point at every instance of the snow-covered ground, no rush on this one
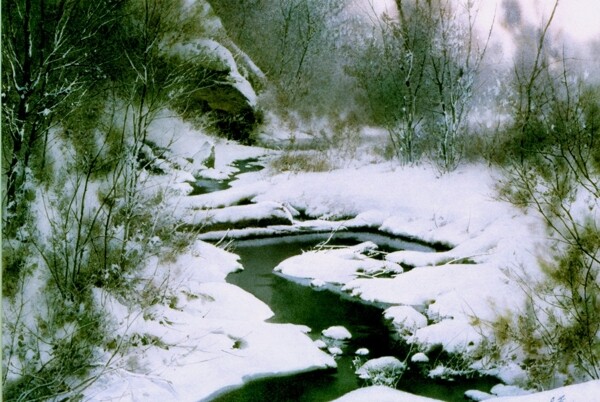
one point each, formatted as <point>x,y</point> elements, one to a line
<point>211,339</point>
<point>586,392</point>
<point>453,288</point>
<point>214,337</point>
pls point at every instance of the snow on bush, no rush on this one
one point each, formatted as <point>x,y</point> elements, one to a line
<point>446,373</point>
<point>385,370</point>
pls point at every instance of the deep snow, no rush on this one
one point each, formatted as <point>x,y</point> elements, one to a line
<point>215,336</point>
<point>217,339</point>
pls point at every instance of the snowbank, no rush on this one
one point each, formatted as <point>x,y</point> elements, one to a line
<point>435,297</point>
<point>210,338</point>
<point>450,289</point>
<point>381,366</point>
<point>382,394</point>
<point>189,148</point>
<point>588,391</point>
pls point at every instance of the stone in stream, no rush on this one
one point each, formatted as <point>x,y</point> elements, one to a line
<point>419,358</point>
<point>337,332</point>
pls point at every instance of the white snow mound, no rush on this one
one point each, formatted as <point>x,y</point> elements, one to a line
<point>337,332</point>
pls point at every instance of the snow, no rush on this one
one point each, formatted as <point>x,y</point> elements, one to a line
<point>218,57</point>
<point>191,147</point>
<point>317,283</point>
<point>386,364</point>
<point>405,319</point>
<point>264,211</point>
<point>419,358</point>
<point>216,355</point>
<point>508,390</point>
<point>446,290</point>
<point>213,338</point>
<point>220,199</point>
<point>437,301</point>
<point>455,335</point>
<point>337,332</point>
<point>584,392</point>
<point>214,335</point>
<point>446,373</point>
<point>475,395</point>
<point>380,393</point>
<point>454,294</point>
<point>337,266</point>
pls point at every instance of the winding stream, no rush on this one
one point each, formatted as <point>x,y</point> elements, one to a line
<point>320,309</point>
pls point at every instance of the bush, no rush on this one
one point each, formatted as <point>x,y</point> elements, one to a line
<point>558,333</point>
<point>386,370</point>
<point>551,167</point>
<point>54,358</point>
<point>301,161</point>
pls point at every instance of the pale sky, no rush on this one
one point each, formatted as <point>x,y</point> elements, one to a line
<point>576,22</point>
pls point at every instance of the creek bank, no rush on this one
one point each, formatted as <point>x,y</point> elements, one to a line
<point>476,236</point>
<point>410,202</point>
<point>321,310</point>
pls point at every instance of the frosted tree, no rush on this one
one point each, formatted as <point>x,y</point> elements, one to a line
<point>47,58</point>
<point>456,57</point>
<point>396,77</point>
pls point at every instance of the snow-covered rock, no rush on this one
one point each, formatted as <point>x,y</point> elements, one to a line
<point>419,358</point>
<point>337,332</point>
<point>213,55</point>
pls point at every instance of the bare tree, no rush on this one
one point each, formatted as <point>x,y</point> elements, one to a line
<point>290,40</point>
<point>456,59</point>
<point>46,72</point>
<point>418,73</point>
<point>397,85</point>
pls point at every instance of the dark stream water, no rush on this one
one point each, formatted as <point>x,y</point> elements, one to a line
<point>320,309</point>
<point>204,186</point>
